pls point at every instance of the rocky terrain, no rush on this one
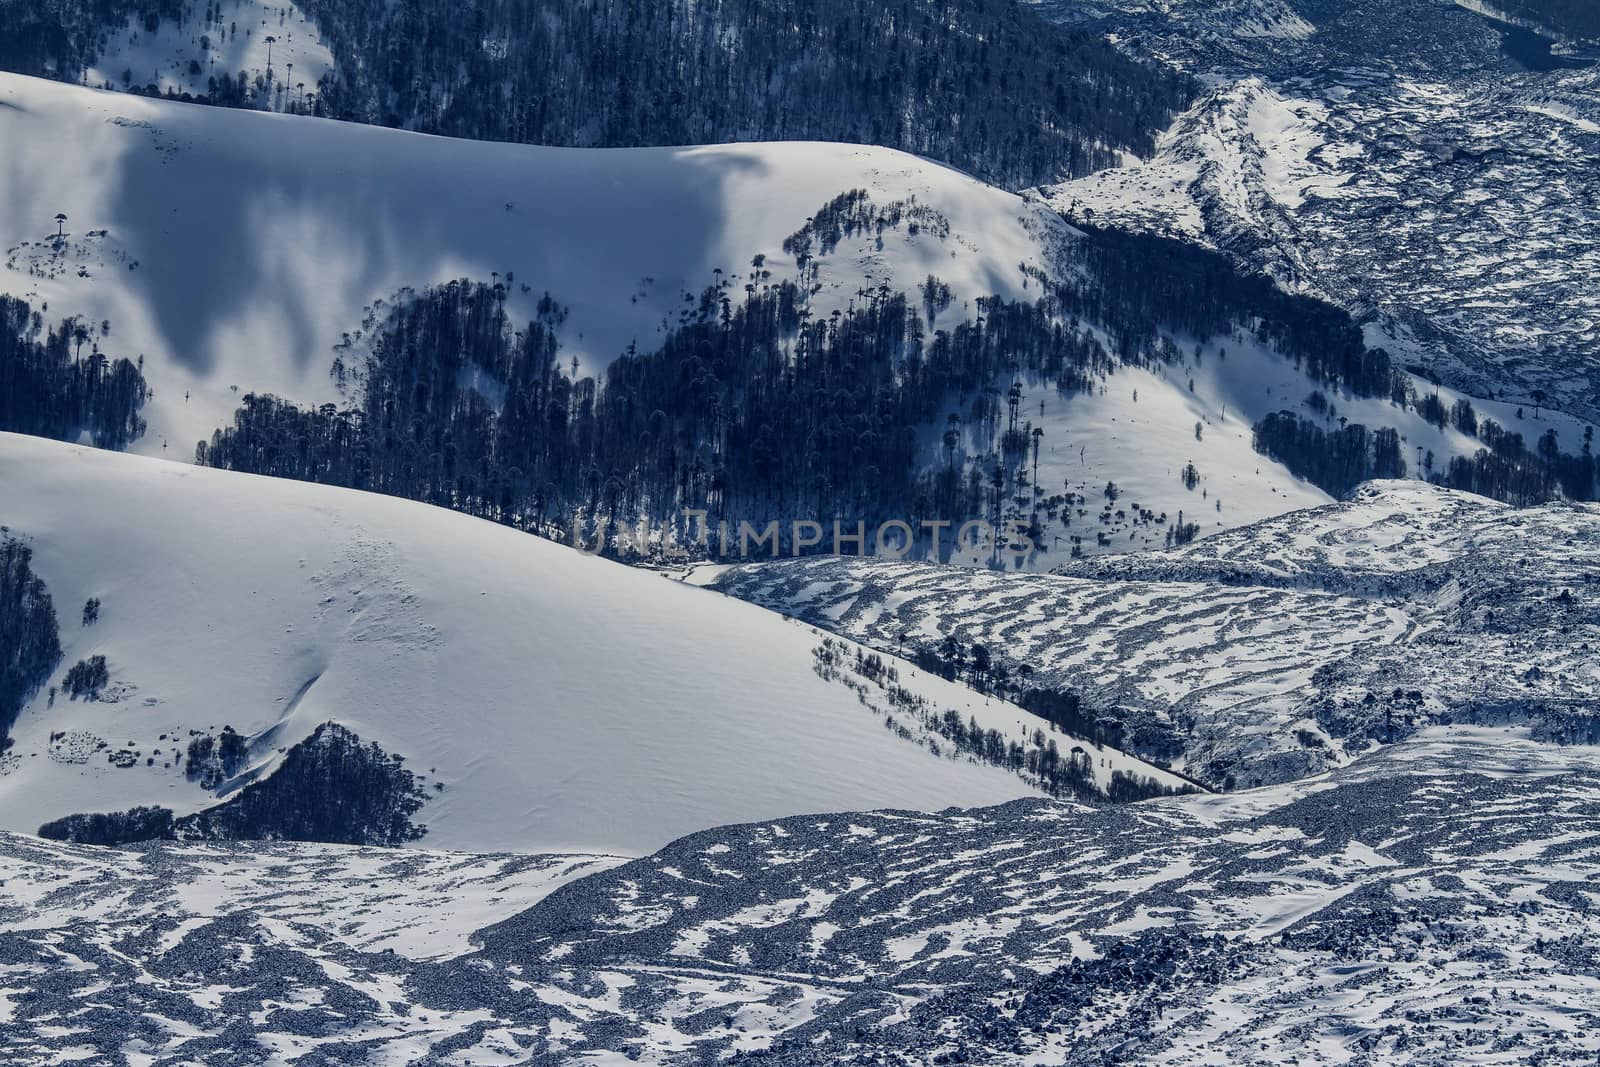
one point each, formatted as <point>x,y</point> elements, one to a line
<point>1262,654</point>
<point>334,731</point>
<point>1429,168</point>
<point>1432,904</point>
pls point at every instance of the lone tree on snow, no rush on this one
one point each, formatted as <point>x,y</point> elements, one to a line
<point>61,222</point>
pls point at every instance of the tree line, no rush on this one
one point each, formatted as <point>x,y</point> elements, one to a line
<point>989,86</point>
<point>330,787</point>
<point>754,409</point>
<point>30,642</point>
<point>1506,469</point>
<point>1034,755</point>
<point>1142,286</point>
<point>757,408</point>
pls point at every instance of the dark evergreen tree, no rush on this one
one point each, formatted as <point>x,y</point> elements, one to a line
<point>30,644</point>
<point>990,86</point>
<point>50,388</point>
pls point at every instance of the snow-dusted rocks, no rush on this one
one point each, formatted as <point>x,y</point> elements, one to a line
<point>1272,651</point>
<point>1395,161</point>
<point>1432,905</point>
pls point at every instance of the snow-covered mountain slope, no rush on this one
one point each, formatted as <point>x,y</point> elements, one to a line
<point>1397,162</point>
<point>1436,209</point>
<point>1431,905</point>
<point>1268,652</point>
<point>544,700</point>
<point>1211,678</point>
<point>235,249</point>
<point>1144,425</point>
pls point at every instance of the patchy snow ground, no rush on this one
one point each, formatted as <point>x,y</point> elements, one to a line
<point>1392,162</point>
<point>422,904</point>
<point>549,701</point>
<point>1432,904</point>
<point>1272,651</point>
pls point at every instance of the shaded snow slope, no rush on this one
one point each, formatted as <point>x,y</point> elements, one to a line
<point>235,249</point>
<point>546,701</point>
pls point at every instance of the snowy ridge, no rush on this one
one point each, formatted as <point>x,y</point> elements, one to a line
<point>545,700</point>
<point>235,249</point>
<point>309,222</point>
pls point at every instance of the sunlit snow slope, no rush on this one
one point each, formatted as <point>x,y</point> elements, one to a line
<point>234,249</point>
<point>549,701</point>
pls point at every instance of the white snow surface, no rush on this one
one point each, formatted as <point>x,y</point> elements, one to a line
<point>549,701</point>
<point>234,249</point>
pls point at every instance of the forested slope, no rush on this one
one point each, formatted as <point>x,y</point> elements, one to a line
<point>985,85</point>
